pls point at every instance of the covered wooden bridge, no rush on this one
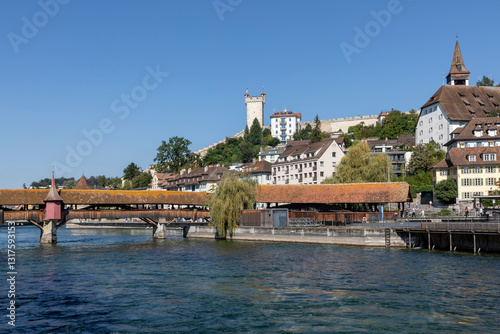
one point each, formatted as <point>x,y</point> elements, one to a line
<point>158,207</point>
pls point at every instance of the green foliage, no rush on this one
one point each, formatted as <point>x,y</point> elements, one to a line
<point>419,182</point>
<point>114,183</point>
<point>316,134</point>
<point>393,125</point>
<point>131,171</point>
<point>172,156</point>
<point>360,165</point>
<point>446,191</point>
<point>240,149</point>
<point>398,123</point>
<point>445,212</point>
<point>485,82</point>
<point>142,180</point>
<point>424,157</point>
<point>232,195</point>
<point>362,131</point>
<point>494,113</point>
<point>303,134</point>
<point>255,135</point>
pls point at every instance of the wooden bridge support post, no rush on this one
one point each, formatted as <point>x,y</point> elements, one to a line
<point>428,240</point>
<point>48,232</point>
<point>474,238</point>
<point>451,243</point>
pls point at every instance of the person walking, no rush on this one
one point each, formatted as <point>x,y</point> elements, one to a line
<point>466,212</point>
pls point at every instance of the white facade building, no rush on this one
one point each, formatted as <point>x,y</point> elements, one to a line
<point>306,163</point>
<point>284,124</point>
<point>454,105</point>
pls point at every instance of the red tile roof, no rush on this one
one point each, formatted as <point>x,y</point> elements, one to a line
<point>458,157</point>
<point>466,133</point>
<point>336,193</point>
<point>463,103</point>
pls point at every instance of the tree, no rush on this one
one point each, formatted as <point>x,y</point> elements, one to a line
<point>232,195</point>
<point>172,156</point>
<point>101,181</point>
<point>397,123</point>
<point>142,180</point>
<point>424,157</point>
<point>446,190</point>
<point>303,134</point>
<point>360,165</point>
<point>131,171</point>
<point>485,82</point>
<point>255,135</point>
<point>316,133</point>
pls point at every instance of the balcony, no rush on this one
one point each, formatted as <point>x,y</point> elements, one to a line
<point>287,181</point>
<point>287,172</point>
<point>315,168</point>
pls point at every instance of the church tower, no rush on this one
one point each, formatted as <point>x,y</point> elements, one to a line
<point>255,108</point>
<point>458,75</point>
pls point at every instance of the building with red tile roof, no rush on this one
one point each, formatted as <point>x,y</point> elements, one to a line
<point>475,170</point>
<point>304,162</point>
<point>454,105</point>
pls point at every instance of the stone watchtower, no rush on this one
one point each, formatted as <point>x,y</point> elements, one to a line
<point>255,108</point>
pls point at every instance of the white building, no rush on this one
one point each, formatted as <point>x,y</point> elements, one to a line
<point>259,171</point>
<point>454,104</point>
<point>306,163</point>
<point>284,124</point>
<point>271,154</point>
<point>255,108</point>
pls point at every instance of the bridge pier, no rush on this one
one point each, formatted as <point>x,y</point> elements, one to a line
<point>159,231</point>
<point>48,232</point>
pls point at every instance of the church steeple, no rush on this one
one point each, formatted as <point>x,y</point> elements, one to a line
<point>458,75</point>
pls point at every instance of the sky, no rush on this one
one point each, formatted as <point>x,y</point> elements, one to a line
<point>88,87</point>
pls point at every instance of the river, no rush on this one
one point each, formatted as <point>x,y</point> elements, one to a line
<point>122,281</point>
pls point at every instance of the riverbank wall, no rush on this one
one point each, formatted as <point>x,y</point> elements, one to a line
<point>368,237</point>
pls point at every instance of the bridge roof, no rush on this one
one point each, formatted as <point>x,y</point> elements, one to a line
<point>103,197</point>
<point>327,193</point>
<point>336,193</point>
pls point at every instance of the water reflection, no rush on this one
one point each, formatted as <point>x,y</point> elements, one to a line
<point>125,282</point>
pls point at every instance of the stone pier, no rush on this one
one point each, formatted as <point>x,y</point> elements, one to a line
<point>48,232</point>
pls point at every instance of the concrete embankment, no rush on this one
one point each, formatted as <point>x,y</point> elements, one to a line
<point>371,237</point>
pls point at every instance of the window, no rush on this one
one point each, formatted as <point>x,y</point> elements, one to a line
<point>421,132</point>
<point>478,133</point>
<point>478,181</point>
<point>471,157</point>
<point>421,123</point>
<point>465,170</point>
<point>430,120</point>
<point>444,172</point>
<point>490,169</point>
<point>430,130</point>
<point>466,182</point>
<point>490,181</point>
<point>477,170</point>
<point>477,193</point>
<point>321,174</point>
<point>492,132</point>
<point>334,154</point>
<point>465,195</point>
<point>489,157</point>
<point>321,163</point>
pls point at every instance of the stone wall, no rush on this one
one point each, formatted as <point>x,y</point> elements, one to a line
<point>371,237</point>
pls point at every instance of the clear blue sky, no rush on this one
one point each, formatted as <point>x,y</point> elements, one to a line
<point>69,69</point>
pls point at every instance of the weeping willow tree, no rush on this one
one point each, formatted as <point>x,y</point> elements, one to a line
<point>360,165</point>
<point>233,194</point>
